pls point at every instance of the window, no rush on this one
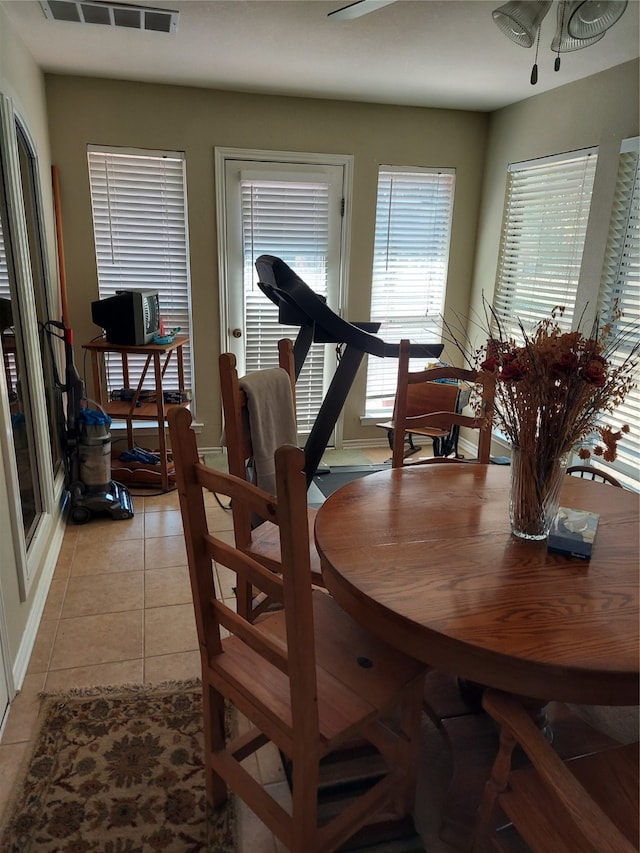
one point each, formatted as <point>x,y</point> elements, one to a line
<point>140,231</point>
<point>542,240</point>
<point>542,243</point>
<point>621,283</point>
<point>410,261</point>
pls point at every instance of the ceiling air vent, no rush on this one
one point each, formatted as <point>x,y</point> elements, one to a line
<point>112,15</point>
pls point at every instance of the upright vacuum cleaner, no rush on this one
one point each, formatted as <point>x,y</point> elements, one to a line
<point>87,443</point>
<point>86,438</point>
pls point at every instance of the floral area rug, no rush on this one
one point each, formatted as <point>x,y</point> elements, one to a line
<point>118,770</point>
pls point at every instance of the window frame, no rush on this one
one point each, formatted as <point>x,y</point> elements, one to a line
<point>234,164</point>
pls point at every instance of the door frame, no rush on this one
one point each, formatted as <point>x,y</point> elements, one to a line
<point>295,158</point>
<point>29,555</point>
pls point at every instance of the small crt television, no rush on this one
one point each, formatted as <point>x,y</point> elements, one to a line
<point>130,318</point>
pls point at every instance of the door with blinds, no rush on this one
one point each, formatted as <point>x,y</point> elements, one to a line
<point>293,211</point>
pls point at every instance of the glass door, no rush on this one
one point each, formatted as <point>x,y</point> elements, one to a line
<point>50,346</point>
<point>16,385</point>
<point>29,434</point>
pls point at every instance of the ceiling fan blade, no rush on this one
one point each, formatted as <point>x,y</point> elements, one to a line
<point>358,8</point>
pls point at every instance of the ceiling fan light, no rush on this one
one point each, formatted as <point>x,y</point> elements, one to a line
<point>592,18</point>
<point>564,43</point>
<point>520,20</point>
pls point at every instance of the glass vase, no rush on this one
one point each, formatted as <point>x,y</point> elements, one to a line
<point>536,480</point>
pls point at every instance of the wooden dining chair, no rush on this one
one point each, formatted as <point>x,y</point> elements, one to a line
<point>413,391</point>
<point>588,472</point>
<point>307,677</point>
<point>587,804</point>
<point>262,541</point>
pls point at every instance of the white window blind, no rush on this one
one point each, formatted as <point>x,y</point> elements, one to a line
<point>411,254</point>
<point>5,293</point>
<point>4,272</point>
<point>10,367</point>
<point>542,239</point>
<point>291,221</point>
<point>621,283</point>
<point>140,229</point>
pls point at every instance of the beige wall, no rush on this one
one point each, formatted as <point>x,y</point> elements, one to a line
<point>22,81</point>
<point>83,111</point>
<point>598,111</point>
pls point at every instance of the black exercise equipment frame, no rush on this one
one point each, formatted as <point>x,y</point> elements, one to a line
<point>299,305</point>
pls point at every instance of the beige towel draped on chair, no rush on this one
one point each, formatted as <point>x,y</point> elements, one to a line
<point>272,420</point>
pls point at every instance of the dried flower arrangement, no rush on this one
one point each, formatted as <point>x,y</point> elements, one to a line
<point>553,389</point>
<point>551,392</point>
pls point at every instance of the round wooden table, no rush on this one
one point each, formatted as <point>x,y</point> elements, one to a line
<point>424,557</point>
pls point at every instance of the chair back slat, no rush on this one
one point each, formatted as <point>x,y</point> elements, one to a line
<point>434,374</point>
<point>245,566</point>
<point>442,421</point>
<point>588,472</point>
<point>426,397</point>
<point>234,487</point>
<point>234,403</point>
<point>286,360</point>
<point>256,640</point>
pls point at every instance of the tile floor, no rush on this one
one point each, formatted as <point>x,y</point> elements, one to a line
<point>119,611</point>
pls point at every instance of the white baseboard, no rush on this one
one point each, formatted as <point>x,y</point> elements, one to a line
<point>363,443</point>
<point>211,449</point>
<point>360,443</point>
<point>30,632</point>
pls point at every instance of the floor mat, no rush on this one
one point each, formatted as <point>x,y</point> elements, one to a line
<point>341,475</point>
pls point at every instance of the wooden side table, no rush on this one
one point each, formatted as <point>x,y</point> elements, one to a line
<point>157,357</point>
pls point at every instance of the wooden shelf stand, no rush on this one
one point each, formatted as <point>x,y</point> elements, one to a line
<point>157,358</point>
